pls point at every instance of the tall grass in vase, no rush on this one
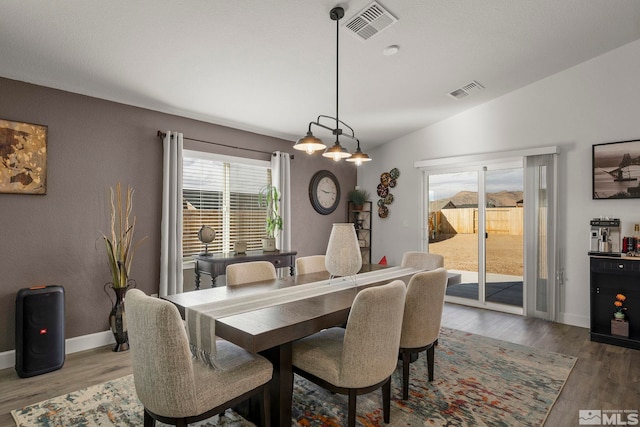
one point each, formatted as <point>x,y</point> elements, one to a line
<point>120,250</point>
<point>120,246</point>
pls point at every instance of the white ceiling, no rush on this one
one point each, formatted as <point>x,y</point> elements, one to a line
<point>268,66</point>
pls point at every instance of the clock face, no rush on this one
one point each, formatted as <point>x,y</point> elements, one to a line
<point>324,192</point>
<point>327,192</point>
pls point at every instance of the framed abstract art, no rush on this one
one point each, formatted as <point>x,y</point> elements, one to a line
<point>23,158</point>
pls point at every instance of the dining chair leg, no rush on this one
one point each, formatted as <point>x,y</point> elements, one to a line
<point>351,414</point>
<point>405,374</point>
<point>386,401</point>
<point>266,408</point>
<point>148,420</point>
<point>430,360</point>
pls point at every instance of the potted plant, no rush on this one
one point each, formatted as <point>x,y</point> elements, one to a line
<point>120,250</point>
<point>619,304</point>
<point>269,198</point>
<point>358,197</point>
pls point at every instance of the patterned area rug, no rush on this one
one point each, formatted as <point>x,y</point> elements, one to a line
<point>478,381</point>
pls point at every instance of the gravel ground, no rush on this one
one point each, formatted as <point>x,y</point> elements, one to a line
<point>460,251</point>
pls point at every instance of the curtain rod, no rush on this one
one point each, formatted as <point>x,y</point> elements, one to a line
<point>161,135</point>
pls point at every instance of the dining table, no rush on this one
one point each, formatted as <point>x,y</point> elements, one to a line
<point>267,317</point>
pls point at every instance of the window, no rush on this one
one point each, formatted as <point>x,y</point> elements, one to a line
<point>222,192</point>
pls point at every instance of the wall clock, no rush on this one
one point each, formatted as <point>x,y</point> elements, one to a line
<point>324,192</point>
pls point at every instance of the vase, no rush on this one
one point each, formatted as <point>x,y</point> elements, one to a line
<point>117,317</point>
<point>269,244</point>
<point>618,315</point>
<point>343,256</point>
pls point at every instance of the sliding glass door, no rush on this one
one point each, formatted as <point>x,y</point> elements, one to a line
<point>476,222</point>
<point>504,234</point>
<point>453,228</point>
<point>489,219</point>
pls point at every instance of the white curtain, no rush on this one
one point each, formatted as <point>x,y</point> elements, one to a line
<point>171,276</point>
<point>281,179</point>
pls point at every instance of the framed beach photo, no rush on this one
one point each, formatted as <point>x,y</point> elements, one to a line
<point>23,158</point>
<point>616,170</point>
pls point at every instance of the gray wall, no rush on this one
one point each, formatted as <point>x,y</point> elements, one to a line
<point>54,239</point>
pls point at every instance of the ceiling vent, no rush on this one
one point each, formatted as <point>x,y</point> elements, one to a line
<point>370,21</point>
<point>466,90</point>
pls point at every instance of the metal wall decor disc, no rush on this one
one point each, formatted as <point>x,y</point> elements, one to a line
<point>385,178</point>
<point>383,190</point>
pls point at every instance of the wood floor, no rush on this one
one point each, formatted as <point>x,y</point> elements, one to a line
<point>605,376</point>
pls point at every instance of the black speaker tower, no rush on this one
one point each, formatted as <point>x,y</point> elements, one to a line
<point>39,330</point>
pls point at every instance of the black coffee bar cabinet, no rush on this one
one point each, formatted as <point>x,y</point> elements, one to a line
<point>611,276</point>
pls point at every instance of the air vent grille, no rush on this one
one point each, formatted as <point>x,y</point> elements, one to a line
<point>370,21</point>
<point>466,90</point>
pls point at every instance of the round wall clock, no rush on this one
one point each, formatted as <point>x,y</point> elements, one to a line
<point>324,192</point>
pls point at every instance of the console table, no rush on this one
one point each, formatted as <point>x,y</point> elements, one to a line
<point>216,264</point>
<point>611,276</point>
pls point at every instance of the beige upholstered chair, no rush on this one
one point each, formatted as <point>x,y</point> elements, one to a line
<point>422,318</point>
<point>360,358</point>
<point>310,264</point>
<point>247,272</point>
<point>176,388</point>
<point>422,260</point>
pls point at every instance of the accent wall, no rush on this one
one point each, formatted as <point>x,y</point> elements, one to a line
<point>55,239</point>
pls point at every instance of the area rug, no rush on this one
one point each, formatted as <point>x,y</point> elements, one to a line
<point>479,381</point>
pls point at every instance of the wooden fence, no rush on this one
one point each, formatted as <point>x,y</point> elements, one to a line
<point>465,221</point>
<point>246,225</point>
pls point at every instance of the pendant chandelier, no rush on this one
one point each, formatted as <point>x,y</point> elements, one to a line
<point>337,152</point>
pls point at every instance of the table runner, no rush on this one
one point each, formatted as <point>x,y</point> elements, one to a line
<point>200,319</point>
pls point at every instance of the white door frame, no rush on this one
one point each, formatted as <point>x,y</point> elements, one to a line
<point>473,163</point>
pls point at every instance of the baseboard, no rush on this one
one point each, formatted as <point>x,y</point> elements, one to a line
<point>7,359</point>
<point>574,320</point>
<point>87,342</point>
<point>72,345</point>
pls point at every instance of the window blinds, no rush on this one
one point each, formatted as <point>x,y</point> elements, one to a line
<point>222,194</point>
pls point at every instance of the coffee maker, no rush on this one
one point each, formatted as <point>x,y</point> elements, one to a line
<point>605,237</point>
